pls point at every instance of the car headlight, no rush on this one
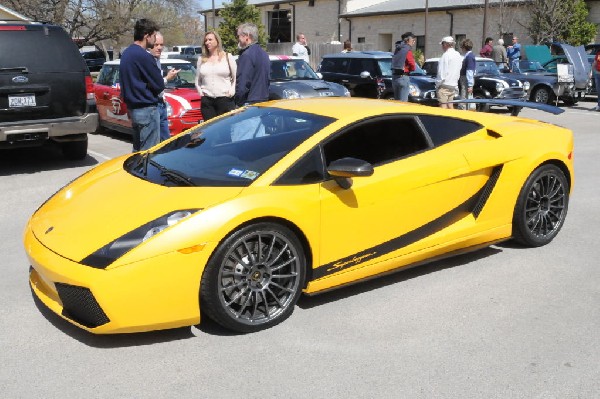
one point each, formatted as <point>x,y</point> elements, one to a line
<point>346,92</point>
<point>414,90</point>
<point>112,251</point>
<point>169,109</point>
<point>291,94</point>
<point>499,87</point>
<point>526,86</point>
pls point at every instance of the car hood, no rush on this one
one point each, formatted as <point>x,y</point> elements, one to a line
<point>575,55</point>
<point>106,203</point>
<point>581,67</point>
<point>309,86</point>
<point>423,81</point>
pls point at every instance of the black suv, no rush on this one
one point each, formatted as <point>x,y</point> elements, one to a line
<point>46,90</point>
<point>94,58</point>
<point>369,74</point>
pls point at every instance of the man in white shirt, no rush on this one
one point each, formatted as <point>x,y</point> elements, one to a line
<point>448,73</point>
<point>299,49</point>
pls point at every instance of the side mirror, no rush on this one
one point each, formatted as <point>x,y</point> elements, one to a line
<point>320,75</point>
<point>365,74</point>
<point>344,169</point>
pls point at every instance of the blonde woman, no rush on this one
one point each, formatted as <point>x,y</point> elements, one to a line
<point>215,77</point>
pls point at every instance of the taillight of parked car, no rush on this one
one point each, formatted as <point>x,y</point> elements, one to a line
<point>89,88</point>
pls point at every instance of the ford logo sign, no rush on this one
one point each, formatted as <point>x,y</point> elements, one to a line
<point>20,79</point>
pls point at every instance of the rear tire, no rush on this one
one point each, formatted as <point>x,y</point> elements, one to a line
<point>514,111</point>
<point>254,278</point>
<point>74,150</point>
<point>481,107</point>
<point>542,206</point>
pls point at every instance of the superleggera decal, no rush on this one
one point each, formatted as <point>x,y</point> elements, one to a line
<point>472,205</point>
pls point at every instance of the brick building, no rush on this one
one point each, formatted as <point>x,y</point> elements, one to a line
<point>380,23</point>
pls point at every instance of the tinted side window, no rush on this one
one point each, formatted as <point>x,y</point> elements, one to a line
<point>377,142</point>
<point>442,129</point>
<point>359,65</point>
<point>335,65</point>
<point>309,169</point>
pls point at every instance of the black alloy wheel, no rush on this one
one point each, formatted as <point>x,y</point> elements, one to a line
<point>541,207</point>
<point>254,278</point>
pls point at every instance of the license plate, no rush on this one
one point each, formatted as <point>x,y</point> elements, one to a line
<point>27,100</point>
<point>326,93</point>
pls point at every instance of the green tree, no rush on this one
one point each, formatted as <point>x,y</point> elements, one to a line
<point>580,30</point>
<point>234,14</point>
<point>560,20</point>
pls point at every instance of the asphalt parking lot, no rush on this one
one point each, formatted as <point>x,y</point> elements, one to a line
<point>503,322</point>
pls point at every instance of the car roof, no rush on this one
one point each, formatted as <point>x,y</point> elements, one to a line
<point>284,57</point>
<point>162,61</point>
<point>436,59</point>
<point>360,54</point>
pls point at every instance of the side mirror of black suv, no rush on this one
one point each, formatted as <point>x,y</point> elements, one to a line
<point>47,90</point>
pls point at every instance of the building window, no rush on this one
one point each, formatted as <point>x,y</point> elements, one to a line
<point>420,45</point>
<point>280,27</point>
<point>361,40</point>
<point>459,40</point>
<point>311,3</point>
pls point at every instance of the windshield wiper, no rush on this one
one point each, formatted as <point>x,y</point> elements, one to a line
<point>174,175</point>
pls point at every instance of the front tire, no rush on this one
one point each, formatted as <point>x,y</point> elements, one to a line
<point>254,278</point>
<point>543,95</point>
<point>481,107</point>
<point>74,150</point>
<point>541,207</point>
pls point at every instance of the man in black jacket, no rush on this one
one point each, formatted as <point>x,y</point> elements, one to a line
<point>253,68</point>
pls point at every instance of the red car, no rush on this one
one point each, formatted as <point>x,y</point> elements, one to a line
<point>181,97</point>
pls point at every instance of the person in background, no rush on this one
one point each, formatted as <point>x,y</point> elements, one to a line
<point>300,49</point>
<point>486,50</point>
<point>448,73</point>
<point>403,63</point>
<point>513,52</point>
<point>253,68</point>
<point>467,71</point>
<point>596,72</point>
<point>347,46</point>
<point>499,55</point>
<point>141,84</point>
<point>215,78</point>
<point>156,51</point>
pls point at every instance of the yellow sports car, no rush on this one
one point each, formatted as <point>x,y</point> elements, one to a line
<point>240,215</point>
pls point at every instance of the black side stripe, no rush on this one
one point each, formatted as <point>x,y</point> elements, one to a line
<point>474,205</point>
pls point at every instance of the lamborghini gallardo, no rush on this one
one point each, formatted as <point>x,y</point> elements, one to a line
<point>237,217</point>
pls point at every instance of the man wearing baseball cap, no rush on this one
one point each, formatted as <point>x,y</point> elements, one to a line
<point>448,73</point>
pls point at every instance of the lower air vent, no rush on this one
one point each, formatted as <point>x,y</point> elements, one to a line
<point>80,305</point>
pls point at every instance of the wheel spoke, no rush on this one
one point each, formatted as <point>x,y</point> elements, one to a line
<point>281,251</point>
<point>281,287</point>
<point>237,296</point>
<point>274,297</point>
<point>284,275</point>
<point>251,256</point>
<point>264,298</point>
<point>244,305</point>
<point>287,262</point>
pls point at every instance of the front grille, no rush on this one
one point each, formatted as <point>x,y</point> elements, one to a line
<point>193,114</point>
<point>513,93</point>
<point>80,305</point>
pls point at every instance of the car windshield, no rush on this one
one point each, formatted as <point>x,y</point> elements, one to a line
<point>385,65</point>
<point>229,151</point>
<point>487,68</point>
<point>291,70</point>
<point>186,76</point>
<point>430,68</point>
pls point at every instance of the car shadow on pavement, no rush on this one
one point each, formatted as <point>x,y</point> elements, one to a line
<point>111,340</point>
<point>38,159</point>
<point>394,277</point>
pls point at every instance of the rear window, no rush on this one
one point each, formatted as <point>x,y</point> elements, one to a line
<point>39,48</point>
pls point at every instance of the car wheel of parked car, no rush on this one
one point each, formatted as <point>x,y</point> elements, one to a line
<point>543,95</point>
<point>481,107</point>
<point>569,101</point>
<point>541,207</point>
<point>514,111</point>
<point>74,150</point>
<point>254,278</point>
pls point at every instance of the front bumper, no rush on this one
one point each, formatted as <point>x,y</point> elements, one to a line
<point>157,293</point>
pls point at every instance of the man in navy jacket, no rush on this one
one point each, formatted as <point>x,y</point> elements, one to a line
<point>253,67</point>
<point>141,84</point>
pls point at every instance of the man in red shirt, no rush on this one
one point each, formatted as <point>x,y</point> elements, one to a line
<point>487,48</point>
<point>403,63</point>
